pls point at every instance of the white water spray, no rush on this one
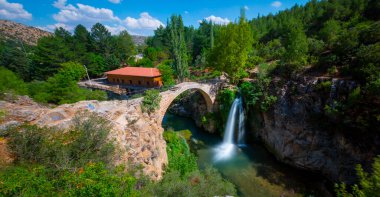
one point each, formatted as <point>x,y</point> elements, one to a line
<point>226,149</point>
<point>241,134</point>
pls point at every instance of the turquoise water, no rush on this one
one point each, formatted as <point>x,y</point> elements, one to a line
<point>252,169</point>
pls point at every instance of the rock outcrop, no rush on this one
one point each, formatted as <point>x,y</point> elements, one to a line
<point>138,136</point>
<point>193,105</point>
<point>295,130</point>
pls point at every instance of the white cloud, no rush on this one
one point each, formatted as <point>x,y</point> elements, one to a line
<point>144,22</point>
<point>82,13</point>
<point>13,11</point>
<point>217,20</point>
<point>276,4</point>
<point>70,15</point>
<point>186,12</point>
<point>115,1</point>
<point>246,7</point>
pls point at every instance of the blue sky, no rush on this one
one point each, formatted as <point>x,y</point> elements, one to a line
<point>139,17</point>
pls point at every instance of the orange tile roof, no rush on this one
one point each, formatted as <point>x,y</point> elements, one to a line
<point>136,71</point>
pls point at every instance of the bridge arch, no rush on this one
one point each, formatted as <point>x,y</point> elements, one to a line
<point>168,97</point>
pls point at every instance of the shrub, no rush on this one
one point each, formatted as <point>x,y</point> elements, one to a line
<point>86,141</point>
<point>151,101</point>
<point>9,82</point>
<point>26,180</point>
<point>167,73</point>
<point>324,86</point>
<point>94,179</point>
<point>179,155</point>
<point>369,184</point>
<point>268,102</point>
<point>198,183</point>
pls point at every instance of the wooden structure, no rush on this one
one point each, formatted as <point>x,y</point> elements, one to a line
<point>135,76</point>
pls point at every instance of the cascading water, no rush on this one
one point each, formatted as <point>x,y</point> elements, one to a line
<point>230,127</point>
<point>241,134</point>
<point>226,149</point>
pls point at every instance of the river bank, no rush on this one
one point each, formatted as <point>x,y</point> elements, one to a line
<point>252,169</point>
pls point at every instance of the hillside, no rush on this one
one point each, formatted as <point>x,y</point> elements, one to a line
<point>27,34</point>
<point>138,40</point>
<point>30,35</point>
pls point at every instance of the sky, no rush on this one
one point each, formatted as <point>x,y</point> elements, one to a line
<point>138,17</point>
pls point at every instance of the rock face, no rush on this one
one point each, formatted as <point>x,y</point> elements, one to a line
<point>294,130</point>
<point>26,34</point>
<point>193,105</point>
<point>137,135</point>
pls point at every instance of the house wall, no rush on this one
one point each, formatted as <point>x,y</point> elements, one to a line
<point>135,81</point>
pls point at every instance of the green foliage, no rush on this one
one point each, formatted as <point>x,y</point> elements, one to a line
<point>15,56</point>
<point>96,180</point>
<point>256,94</point>
<point>73,162</point>
<point>63,88</point>
<point>296,45</point>
<point>166,73</point>
<point>151,101</point>
<point>198,183</point>
<point>95,64</point>
<point>86,141</point>
<point>225,98</point>
<point>9,82</point>
<point>273,50</point>
<point>145,62</point>
<point>324,86</point>
<point>178,46</point>
<point>27,180</point>
<point>232,46</point>
<point>179,156</point>
<point>251,93</point>
<point>92,180</point>
<point>369,184</point>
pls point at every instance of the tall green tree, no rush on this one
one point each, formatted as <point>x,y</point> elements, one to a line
<point>124,48</point>
<point>232,46</point>
<point>295,43</point>
<point>101,39</point>
<point>178,47</point>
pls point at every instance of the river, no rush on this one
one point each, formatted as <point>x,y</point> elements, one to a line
<point>253,170</point>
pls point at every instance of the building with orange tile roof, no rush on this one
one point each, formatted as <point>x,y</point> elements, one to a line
<point>135,76</point>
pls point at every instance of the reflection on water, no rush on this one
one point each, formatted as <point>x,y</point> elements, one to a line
<point>251,168</point>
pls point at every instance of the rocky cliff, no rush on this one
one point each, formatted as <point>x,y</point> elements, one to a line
<point>298,132</point>
<point>20,32</point>
<point>138,135</point>
<point>192,105</point>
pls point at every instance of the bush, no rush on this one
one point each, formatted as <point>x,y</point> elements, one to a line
<point>151,101</point>
<point>198,183</point>
<point>369,184</point>
<point>167,74</point>
<point>62,87</point>
<point>94,179</point>
<point>9,82</point>
<point>179,155</point>
<point>86,141</point>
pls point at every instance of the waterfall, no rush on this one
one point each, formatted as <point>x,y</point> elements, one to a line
<point>241,134</point>
<point>230,127</point>
<point>226,149</point>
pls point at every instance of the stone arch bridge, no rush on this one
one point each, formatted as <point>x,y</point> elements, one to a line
<point>138,135</point>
